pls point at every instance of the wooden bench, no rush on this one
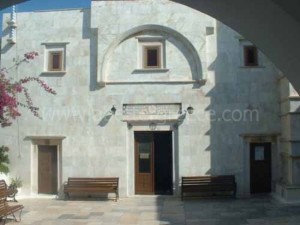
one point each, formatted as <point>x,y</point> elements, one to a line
<point>9,192</point>
<point>7,210</point>
<point>208,185</point>
<point>92,185</point>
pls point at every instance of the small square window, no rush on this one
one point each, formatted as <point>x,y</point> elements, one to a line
<point>55,57</point>
<point>250,56</point>
<point>55,61</point>
<point>152,57</point>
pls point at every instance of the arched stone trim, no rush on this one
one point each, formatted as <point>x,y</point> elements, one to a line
<point>196,63</point>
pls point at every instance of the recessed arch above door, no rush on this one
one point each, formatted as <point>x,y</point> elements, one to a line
<point>194,58</point>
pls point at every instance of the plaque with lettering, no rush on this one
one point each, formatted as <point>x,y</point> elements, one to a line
<point>152,109</point>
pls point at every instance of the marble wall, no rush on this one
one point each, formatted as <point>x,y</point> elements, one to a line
<point>204,69</point>
<point>289,186</point>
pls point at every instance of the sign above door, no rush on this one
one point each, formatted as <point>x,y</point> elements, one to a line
<point>168,112</point>
<point>152,109</point>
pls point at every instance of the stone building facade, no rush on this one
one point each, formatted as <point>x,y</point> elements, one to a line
<point>147,91</point>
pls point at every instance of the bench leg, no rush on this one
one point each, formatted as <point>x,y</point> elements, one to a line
<point>67,196</point>
<point>117,195</point>
<point>19,216</point>
<point>15,200</point>
<point>181,195</point>
<point>3,220</point>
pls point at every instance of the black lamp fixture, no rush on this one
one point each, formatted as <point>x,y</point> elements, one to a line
<point>190,110</point>
<point>152,126</point>
<point>113,110</point>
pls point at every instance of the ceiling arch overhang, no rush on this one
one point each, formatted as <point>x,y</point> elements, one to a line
<point>272,25</point>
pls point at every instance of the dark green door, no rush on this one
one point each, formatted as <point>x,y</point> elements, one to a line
<point>260,168</point>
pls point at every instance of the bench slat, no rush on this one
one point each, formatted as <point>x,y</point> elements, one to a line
<point>208,184</point>
<point>5,191</point>
<point>92,185</point>
<point>6,210</point>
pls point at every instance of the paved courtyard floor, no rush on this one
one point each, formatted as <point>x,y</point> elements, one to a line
<point>159,210</point>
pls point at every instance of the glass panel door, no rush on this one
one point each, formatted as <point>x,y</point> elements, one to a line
<point>144,175</point>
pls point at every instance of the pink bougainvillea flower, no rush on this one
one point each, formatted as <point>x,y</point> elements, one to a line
<point>9,89</point>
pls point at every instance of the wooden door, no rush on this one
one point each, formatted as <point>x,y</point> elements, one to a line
<point>260,168</point>
<point>47,169</point>
<point>144,156</point>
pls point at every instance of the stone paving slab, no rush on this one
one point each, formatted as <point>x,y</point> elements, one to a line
<point>156,210</point>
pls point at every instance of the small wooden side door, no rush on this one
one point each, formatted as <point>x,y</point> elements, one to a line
<point>144,169</point>
<point>260,168</point>
<point>47,169</point>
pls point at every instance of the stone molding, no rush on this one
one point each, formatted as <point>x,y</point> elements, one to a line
<point>261,137</point>
<point>103,73</point>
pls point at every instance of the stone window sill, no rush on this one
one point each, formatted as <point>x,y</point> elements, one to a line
<point>53,73</point>
<point>138,71</point>
<point>202,82</point>
<point>252,67</point>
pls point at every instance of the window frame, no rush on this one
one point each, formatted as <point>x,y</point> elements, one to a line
<point>145,63</point>
<point>50,61</point>
<point>50,48</point>
<point>253,48</point>
<point>149,41</point>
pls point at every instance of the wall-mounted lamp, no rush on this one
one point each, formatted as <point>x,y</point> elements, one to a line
<point>129,126</point>
<point>113,110</point>
<point>152,126</point>
<point>175,126</point>
<point>190,110</point>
